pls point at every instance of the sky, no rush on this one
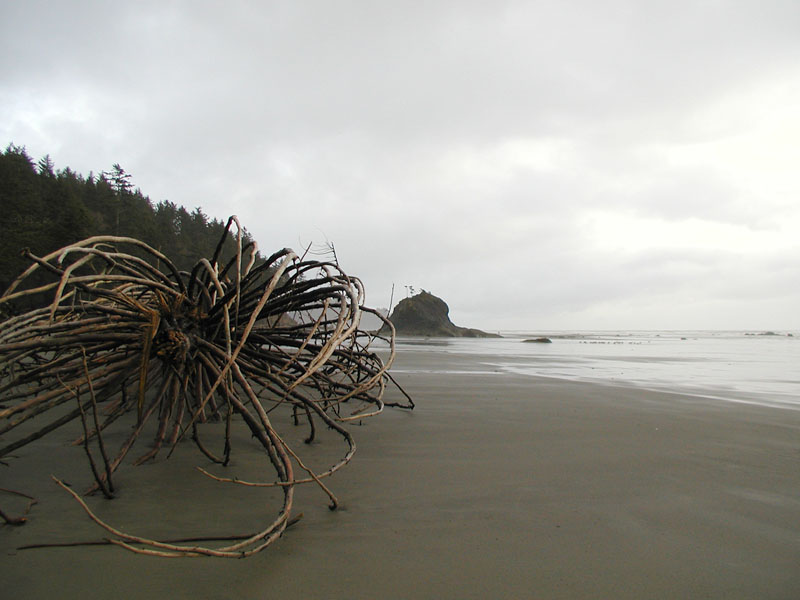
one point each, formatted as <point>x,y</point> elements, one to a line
<point>539,165</point>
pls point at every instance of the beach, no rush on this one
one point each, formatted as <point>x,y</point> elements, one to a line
<point>498,485</point>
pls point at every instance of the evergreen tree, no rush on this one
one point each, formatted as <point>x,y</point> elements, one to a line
<point>46,166</point>
<point>120,182</point>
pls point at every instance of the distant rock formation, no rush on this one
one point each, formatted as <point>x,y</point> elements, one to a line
<point>769,334</point>
<point>539,340</point>
<point>427,315</point>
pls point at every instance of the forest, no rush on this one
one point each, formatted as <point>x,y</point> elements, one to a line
<point>43,208</point>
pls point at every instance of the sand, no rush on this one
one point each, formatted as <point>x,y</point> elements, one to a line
<point>496,486</point>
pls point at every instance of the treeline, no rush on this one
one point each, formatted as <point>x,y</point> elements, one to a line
<point>44,209</point>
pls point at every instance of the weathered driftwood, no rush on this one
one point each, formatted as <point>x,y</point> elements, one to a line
<point>125,331</point>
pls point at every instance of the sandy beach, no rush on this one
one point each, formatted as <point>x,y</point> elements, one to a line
<point>496,486</point>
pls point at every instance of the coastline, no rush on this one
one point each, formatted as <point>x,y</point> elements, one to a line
<point>497,485</point>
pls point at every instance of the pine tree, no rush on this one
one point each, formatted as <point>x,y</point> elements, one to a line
<point>121,184</point>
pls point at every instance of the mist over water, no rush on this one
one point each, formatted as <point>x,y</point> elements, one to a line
<point>732,365</point>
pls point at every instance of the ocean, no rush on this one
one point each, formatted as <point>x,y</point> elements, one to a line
<point>741,366</point>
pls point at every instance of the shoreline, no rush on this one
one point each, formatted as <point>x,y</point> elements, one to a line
<point>495,486</point>
<point>701,394</point>
<point>654,370</point>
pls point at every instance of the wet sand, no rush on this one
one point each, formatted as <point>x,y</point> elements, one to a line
<point>496,486</point>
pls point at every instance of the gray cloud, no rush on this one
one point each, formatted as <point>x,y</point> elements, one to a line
<point>548,164</point>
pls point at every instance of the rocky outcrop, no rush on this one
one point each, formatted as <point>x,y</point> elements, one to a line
<point>427,315</point>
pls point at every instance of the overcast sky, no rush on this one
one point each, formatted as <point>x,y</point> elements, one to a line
<point>538,165</point>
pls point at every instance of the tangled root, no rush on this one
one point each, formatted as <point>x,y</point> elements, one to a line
<point>123,330</point>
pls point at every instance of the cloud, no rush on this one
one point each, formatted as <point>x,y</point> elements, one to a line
<point>566,164</point>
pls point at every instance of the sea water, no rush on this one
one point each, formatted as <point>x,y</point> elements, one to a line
<point>757,367</point>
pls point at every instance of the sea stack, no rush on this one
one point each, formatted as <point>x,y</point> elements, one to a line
<point>427,315</point>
